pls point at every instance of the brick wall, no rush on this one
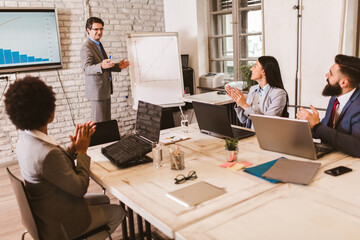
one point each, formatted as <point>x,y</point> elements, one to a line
<point>120,17</point>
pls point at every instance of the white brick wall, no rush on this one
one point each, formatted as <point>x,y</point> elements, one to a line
<point>120,17</point>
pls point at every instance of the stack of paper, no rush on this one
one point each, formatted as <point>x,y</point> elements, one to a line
<point>167,137</point>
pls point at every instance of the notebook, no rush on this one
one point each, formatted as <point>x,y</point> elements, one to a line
<point>290,136</point>
<point>132,150</point>
<point>195,194</point>
<point>292,171</point>
<point>214,120</point>
<point>107,131</point>
<point>260,169</point>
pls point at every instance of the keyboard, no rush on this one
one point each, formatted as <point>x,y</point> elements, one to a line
<point>322,149</point>
<point>242,133</point>
<point>127,152</point>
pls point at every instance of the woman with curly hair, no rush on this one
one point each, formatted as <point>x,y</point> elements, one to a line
<point>55,185</point>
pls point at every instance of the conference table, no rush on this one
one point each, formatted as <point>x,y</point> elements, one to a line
<point>251,208</point>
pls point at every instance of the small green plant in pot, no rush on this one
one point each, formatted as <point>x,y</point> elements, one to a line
<point>232,149</point>
<point>231,144</point>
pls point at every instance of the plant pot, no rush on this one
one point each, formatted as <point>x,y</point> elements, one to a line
<point>232,155</point>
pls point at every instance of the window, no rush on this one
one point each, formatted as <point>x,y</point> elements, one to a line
<point>235,35</point>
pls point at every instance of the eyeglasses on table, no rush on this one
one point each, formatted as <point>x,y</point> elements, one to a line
<point>181,178</point>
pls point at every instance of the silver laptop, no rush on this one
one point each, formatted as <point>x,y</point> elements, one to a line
<point>214,120</point>
<point>289,136</point>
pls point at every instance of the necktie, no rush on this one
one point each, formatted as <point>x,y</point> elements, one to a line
<point>333,111</point>
<point>103,50</point>
<point>105,56</point>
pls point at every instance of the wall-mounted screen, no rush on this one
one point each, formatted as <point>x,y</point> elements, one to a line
<point>29,39</point>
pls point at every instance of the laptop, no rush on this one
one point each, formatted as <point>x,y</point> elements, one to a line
<point>214,120</point>
<point>131,150</point>
<point>289,136</point>
<point>107,131</point>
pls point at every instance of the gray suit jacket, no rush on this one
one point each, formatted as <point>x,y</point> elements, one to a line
<point>272,104</point>
<point>55,186</point>
<point>97,84</point>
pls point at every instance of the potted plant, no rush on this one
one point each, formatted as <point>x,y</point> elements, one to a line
<point>246,76</point>
<point>232,149</point>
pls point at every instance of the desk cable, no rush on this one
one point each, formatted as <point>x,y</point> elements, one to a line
<point>67,99</point>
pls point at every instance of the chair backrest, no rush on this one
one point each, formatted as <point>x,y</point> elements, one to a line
<point>285,112</point>
<point>107,131</point>
<point>25,209</point>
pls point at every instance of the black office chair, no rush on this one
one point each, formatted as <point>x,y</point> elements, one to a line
<point>27,215</point>
<point>107,131</point>
<point>285,112</point>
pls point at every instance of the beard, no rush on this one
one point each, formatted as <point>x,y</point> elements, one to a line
<point>330,90</point>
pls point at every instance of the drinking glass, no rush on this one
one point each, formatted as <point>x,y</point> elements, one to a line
<point>184,123</point>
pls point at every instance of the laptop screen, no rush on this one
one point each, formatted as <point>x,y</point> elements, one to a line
<point>107,131</point>
<point>148,121</point>
<point>285,135</point>
<point>213,118</point>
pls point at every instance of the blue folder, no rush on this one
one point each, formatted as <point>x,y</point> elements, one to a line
<point>259,170</point>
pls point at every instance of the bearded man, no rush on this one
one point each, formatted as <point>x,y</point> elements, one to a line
<point>340,128</point>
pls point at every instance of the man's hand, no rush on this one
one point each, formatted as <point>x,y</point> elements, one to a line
<point>123,64</point>
<point>313,117</point>
<point>107,63</point>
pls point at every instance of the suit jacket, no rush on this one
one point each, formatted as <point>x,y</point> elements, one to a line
<point>272,104</point>
<point>97,84</point>
<point>346,134</point>
<point>56,187</point>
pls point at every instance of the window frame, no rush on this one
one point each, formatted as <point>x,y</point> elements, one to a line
<point>237,35</point>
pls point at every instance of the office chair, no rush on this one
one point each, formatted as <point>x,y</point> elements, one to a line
<point>27,215</point>
<point>107,131</point>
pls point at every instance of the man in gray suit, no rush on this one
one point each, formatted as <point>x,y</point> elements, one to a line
<point>97,67</point>
<point>55,184</point>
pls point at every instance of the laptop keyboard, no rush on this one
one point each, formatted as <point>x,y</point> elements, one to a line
<point>130,149</point>
<point>242,133</point>
<point>322,149</point>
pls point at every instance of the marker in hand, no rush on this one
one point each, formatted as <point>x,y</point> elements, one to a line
<point>110,57</point>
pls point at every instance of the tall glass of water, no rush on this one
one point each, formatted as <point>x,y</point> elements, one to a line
<point>184,123</point>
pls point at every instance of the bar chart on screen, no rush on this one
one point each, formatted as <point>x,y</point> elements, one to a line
<point>7,56</point>
<point>29,39</point>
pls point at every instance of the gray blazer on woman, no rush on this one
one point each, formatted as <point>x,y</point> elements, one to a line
<point>272,104</point>
<point>56,186</point>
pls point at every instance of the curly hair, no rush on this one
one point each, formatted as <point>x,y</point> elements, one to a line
<point>29,102</point>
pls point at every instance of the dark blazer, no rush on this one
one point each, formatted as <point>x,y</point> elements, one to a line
<point>346,134</point>
<point>55,186</point>
<point>97,84</point>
